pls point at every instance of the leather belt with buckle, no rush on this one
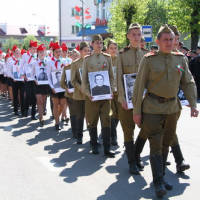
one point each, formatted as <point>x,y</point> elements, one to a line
<point>161,99</point>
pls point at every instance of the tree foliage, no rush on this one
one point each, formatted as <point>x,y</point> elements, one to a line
<point>27,41</point>
<point>9,43</point>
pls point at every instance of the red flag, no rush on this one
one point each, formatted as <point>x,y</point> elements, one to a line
<point>87,9</point>
<point>86,12</point>
<point>77,9</point>
<point>77,17</point>
<point>88,17</point>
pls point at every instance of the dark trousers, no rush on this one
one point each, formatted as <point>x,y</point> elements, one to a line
<point>19,85</point>
<point>197,80</point>
<point>30,96</point>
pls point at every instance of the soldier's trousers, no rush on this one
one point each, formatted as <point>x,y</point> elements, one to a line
<point>175,142</point>
<point>97,109</point>
<point>71,105</point>
<point>79,108</point>
<point>114,107</point>
<point>155,126</point>
<point>127,123</point>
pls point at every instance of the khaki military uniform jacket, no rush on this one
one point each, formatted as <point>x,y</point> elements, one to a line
<point>63,83</point>
<point>128,62</point>
<point>76,79</point>
<point>114,63</point>
<point>151,66</point>
<point>94,63</point>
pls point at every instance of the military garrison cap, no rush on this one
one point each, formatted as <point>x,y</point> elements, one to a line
<point>96,37</point>
<point>174,29</point>
<point>165,29</point>
<point>134,26</point>
<point>83,44</point>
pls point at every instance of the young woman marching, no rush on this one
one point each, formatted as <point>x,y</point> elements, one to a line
<point>17,74</point>
<point>55,65</point>
<point>40,65</point>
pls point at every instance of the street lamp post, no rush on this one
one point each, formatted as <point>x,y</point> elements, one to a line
<point>44,27</point>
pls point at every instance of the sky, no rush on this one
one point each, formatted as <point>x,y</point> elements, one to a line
<point>20,12</point>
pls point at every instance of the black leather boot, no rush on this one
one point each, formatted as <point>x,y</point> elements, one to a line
<point>25,113</point>
<point>178,156</point>
<point>168,185</point>
<point>133,169</point>
<point>79,130</point>
<point>157,172</point>
<point>114,123</point>
<point>106,142</point>
<point>139,145</point>
<point>73,125</point>
<point>93,140</point>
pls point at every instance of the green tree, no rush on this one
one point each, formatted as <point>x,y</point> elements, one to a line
<point>186,15</point>
<point>123,13</point>
<point>27,40</point>
<point>9,43</point>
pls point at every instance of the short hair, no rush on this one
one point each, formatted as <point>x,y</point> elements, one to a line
<point>58,73</point>
<point>111,42</point>
<point>98,75</point>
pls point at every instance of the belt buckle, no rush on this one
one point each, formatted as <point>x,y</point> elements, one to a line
<point>167,99</point>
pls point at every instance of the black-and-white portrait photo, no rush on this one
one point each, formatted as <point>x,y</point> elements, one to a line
<point>41,75</point>
<point>68,80</point>
<point>28,72</point>
<point>100,85</point>
<point>182,97</point>
<point>56,78</point>
<point>18,74</point>
<point>129,80</point>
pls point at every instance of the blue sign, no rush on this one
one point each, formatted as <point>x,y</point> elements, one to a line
<point>147,33</point>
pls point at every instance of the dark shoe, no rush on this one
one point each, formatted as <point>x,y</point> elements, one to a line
<point>79,140</point>
<point>95,150</point>
<point>182,167</point>
<point>16,113</point>
<point>57,127</point>
<point>34,117</point>
<point>45,112</point>
<point>62,120</point>
<point>133,169</point>
<point>67,120</point>
<point>114,141</point>
<point>168,163</point>
<point>25,113</point>
<point>139,145</point>
<point>160,188</point>
<point>99,145</point>
<point>42,122</point>
<point>168,185</point>
<point>109,153</point>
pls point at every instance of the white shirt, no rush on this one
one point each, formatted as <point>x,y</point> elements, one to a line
<point>67,61</point>
<point>52,68</point>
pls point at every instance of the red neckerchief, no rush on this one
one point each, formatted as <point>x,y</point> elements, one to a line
<point>56,62</point>
<point>50,55</point>
<point>16,62</point>
<point>30,57</point>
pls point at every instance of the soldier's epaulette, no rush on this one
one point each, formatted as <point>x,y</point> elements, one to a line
<point>76,60</point>
<point>144,49</point>
<point>87,56</point>
<point>105,54</point>
<point>125,49</point>
<point>176,53</point>
<point>151,54</point>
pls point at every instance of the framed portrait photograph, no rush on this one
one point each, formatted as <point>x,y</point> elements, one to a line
<point>129,80</point>
<point>18,73</point>
<point>41,75</point>
<point>68,81</point>
<point>182,98</point>
<point>100,85</point>
<point>29,75</point>
<point>81,72</point>
<point>56,78</point>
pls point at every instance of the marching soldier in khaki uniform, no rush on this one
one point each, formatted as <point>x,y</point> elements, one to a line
<point>113,51</point>
<point>98,61</point>
<point>78,95</point>
<point>127,63</point>
<point>161,73</point>
<point>70,100</point>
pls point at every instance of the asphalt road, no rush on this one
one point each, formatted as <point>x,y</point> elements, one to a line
<point>41,163</point>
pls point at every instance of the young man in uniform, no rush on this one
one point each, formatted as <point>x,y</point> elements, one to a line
<point>78,95</point>
<point>101,108</point>
<point>128,63</point>
<point>160,109</point>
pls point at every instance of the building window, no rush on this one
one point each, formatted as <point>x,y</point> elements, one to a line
<point>74,12</point>
<point>75,29</point>
<point>73,45</point>
<point>104,10</point>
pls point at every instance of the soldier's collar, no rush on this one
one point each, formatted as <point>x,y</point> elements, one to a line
<point>164,54</point>
<point>134,48</point>
<point>96,54</point>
